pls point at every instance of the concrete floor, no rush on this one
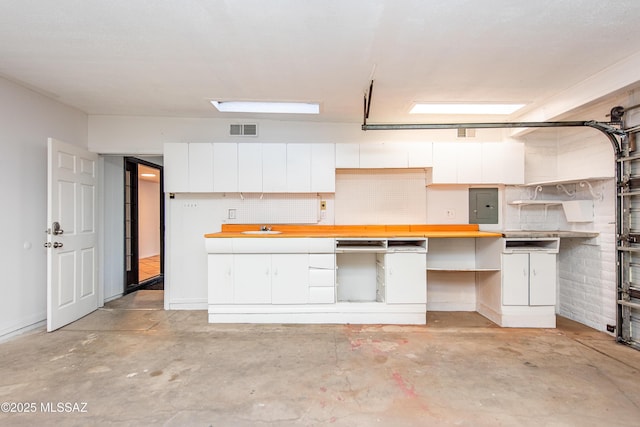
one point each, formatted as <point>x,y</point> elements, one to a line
<point>135,364</point>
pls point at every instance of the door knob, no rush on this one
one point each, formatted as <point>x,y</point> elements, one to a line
<point>57,245</point>
<point>56,228</point>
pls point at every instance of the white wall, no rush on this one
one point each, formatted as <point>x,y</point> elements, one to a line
<point>113,226</point>
<point>146,135</point>
<point>27,119</point>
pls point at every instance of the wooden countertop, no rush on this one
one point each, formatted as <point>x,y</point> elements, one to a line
<point>356,231</point>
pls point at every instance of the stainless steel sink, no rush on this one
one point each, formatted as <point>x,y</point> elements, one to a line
<point>261,232</point>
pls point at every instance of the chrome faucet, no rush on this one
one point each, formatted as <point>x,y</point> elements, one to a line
<point>265,228</point>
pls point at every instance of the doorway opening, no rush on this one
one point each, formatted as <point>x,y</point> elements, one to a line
<point>144,225</point>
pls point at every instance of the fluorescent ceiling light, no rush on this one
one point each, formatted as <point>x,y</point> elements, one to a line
<point>267,107</point>
<point>452,108</point>
<point>149,175</point>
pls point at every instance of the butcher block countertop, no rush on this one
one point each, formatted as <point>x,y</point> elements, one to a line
<point>355,231</point>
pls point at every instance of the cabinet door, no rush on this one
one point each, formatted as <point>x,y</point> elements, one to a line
<point>406,278</point>
<point>252,279</point>
<point>515,279</point>
<point>274,168</point>
<point>493,163</point>
<point>225,167</point>
<point>542,279</point>
<point>445,163</point>
<point>176,167</point>
<point>220,278</point>
<point>289,279</point>
<point>201,168</point>
<point>298,168</point>
<point>250,168</point>
<point>469,163</point>
<point>420,154</point>
<point>383,155</point>
<point>348,156</point>
<point>323,168</point>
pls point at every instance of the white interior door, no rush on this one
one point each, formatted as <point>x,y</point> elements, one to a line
<point>72,258</point>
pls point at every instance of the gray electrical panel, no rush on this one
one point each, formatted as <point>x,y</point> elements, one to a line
<point>483,206</point>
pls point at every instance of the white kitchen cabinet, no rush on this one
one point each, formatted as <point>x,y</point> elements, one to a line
<point>274,168</point>
<point>420,154</point>
<point>529,279</point>
<point>469,163</point>
<point>323,168</point>
<point>405,278</point>
<point>200,168</point>
<point>220,278</point>
<point>289,279</point>
<point>252,279</point>
<point>383,155</point>
<point>176,167</point>
<point>445,163</point>
<point>225,167</point>
<point>250,167</point>
<point>478,163</point>
<point>347,156</point>
<point>298,168</point>
<point>322,278</point>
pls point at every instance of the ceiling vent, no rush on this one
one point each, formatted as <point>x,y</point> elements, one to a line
<point>243,129</point>
<point>466,133</point>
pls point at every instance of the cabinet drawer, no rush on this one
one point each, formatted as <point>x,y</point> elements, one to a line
<point>321,277</point>
<point>321,295</point>
<point>322,261</point>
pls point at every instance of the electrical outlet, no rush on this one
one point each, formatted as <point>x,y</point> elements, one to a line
<point>451,213</point>
<point>232,214</point>
<point>323,205</point>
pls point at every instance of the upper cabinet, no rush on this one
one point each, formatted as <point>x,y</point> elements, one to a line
<point>176,167</point>
<point>478,163</point>
<point>310,168</point>
<point>323,168</point>
<point>225,167</point>
<point>274,168</point>
<point>383,155</point>
<point>298,168</point>
<point>249,167</point>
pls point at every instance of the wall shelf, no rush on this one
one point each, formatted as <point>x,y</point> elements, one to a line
<point>574,210</point>
<point>567,181</point>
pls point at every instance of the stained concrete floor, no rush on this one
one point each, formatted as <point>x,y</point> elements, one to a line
<point>133,363</point>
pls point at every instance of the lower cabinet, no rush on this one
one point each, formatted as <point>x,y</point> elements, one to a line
<point>529,279</point>
<point>270,279</point>
<point>252,279</point>
<point>405,278</point>
<point>290,279</point>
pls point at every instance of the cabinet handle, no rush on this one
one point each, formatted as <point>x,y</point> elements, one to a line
<point>524,271</point>
<point>275,272</point>
<point>534,271</point>
<point>266,272</point>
